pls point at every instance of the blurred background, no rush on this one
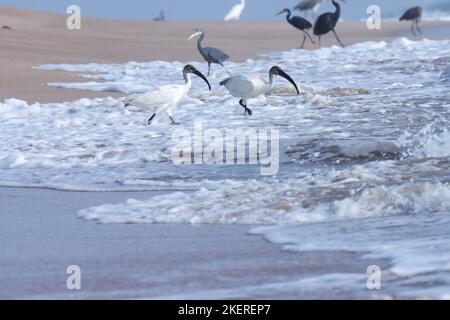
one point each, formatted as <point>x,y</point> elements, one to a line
<point>208,10</point>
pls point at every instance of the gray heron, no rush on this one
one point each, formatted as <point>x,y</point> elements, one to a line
<point>299,23</point>
<point>251,86</point>
<point>164,98</point>
<point>211,55</point>
<point>414,15</point>
<point>327,22</point>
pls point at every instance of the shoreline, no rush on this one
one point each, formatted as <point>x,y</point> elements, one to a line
<point>143,260</point>
<point>375,134</point>
<point>41,38</point>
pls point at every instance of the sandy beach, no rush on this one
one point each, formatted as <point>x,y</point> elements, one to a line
<point>40,38</point>
<point>40,233</point>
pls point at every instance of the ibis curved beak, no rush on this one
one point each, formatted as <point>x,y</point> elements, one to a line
<point>199,74</point>
<point>283,74</point>
<point>281,12</point>
<point>194,35</point>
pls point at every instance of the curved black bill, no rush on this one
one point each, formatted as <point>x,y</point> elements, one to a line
<point>198,73</point>
<point>283,74</point>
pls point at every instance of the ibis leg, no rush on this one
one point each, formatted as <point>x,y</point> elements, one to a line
<point>247,110</point>
<point>151,119</point>
<point>173,121</point>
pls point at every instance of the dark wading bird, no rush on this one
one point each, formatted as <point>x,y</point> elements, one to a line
<point>164,98</point>
<point>211,55</point>
<point>161,17</point>
<point>414,15</point>
<point>300,24</point>
<point>327,22</point>
<point>251,86</point>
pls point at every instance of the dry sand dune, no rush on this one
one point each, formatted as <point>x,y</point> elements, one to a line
<point>38,38</point>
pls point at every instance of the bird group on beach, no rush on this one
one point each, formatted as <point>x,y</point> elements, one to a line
<point>324,24</point>
<point>245,87</point>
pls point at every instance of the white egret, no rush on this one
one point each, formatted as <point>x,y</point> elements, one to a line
<point>235,12</point>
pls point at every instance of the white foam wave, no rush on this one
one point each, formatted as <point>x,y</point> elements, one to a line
<point>436,15</point>
<point>254,202</point>
<point>433,141</point>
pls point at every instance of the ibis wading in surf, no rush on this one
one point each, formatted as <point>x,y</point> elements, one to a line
<point>164,98</point>
<point>252,86</point>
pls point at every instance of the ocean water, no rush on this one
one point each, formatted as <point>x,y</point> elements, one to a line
<point>364,156</point>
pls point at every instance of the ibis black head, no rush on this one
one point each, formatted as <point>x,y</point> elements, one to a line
<point>191,69</point>
<point>277,71</point>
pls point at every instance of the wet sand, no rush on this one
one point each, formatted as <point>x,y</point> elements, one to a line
<point>41,236</point>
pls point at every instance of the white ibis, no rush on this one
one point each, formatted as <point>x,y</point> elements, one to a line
<point>235,12</point>
<point>252,86</point>
<point>164,98</point>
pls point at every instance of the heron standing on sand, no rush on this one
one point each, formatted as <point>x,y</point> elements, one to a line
<point>211,55</point>
<point>164,98</point>
<point>252,86</point>
<point>414,15</point>
<point>327,22</point>
<point>299,23</point>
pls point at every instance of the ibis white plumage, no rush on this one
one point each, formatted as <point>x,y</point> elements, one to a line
<point>235,12</point>
<point>252,86</point>
<point>164,98</point>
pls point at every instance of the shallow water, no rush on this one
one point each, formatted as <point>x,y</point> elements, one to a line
<point>368,138</point>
